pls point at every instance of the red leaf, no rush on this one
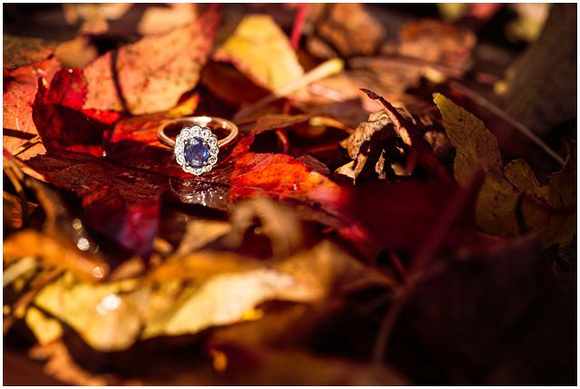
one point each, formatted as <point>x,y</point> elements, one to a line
<point>20,87</point>
<point>401,216</point>
<point>56,115</point>
<point>120,203</point>
<point>281,177</point>
<point>151,75</point>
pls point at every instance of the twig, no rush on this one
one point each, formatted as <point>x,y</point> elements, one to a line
<point>11,171</point>
<point>506,117</point>
<point>28,144</point>
<point>399,266</point>
<point>298,24</point>
<point>326,69</point>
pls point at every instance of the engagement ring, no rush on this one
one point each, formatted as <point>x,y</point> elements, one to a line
<point>196,147</point>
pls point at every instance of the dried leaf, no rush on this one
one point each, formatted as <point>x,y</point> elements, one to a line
<point>20,87</point>
<point>409,133</point>
<point>105,315</point>
<point>277,222</point>
<point>436,42</point>
<point>547,210</point>
<point>351,29</point>
<point>224,299</point>
<point>45,329</point>
<point>200,266</point>
<point>221,300</point>
<point>277,121</point>
<point>54,252</point>
<point>61,365</point>
<point>152,74</point>
<point>199,233</point>
<point>260,50</point>
<point>158,20</point>
<point>20,51</point>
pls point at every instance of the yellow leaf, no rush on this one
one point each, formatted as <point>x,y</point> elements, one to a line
<point>226,298</point>
<point>476,147</point>
<point>260,50</point>
<point>56,252</point>
<point>44,328</point>
<point>105,315</point>
<point>547,210</point>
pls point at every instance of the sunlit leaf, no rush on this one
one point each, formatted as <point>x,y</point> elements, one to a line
<point>152,74</point>
<point>260,50</point>
<point>105,315</point>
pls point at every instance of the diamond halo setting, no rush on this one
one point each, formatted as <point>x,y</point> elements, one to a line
<point>196,150</point>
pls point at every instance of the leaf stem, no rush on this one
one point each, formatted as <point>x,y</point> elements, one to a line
<point>325,69</point>
<point>482,101</point>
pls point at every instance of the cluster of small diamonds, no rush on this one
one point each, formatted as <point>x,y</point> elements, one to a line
<point>208,138</point>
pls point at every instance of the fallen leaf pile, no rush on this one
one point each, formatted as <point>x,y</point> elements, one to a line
<point>362,229</point>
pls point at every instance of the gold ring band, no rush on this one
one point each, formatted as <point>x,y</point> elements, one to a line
<point>196,147</point>
<point>201,121</point>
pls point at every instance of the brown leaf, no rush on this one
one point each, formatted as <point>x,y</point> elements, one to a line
<point>436,42</point>
<point>408,132</point>
<point>152,74</point>
<point>62,366</point>
<point>351,29</point>
<point>21,51</point>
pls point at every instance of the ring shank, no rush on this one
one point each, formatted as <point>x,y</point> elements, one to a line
<point>202,121</point>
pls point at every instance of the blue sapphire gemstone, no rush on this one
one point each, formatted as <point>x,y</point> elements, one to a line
<point>196,153</point>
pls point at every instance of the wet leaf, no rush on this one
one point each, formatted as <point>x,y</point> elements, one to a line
<point>547,210</point>
<point>260,50</point>
<point>152,74</point>
<point>281,177</point>
<point>121,204</point>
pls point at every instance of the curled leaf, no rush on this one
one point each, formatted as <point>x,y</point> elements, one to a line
<point>511,193</point>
